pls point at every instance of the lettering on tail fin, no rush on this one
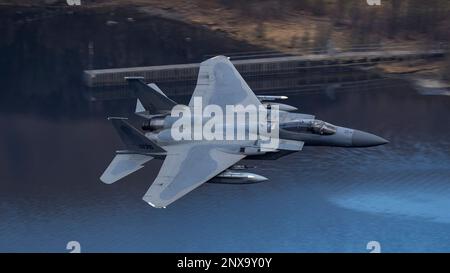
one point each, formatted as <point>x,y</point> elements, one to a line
<point>145,147</point>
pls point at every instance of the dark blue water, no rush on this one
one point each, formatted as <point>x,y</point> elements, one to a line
<point>55,144</point>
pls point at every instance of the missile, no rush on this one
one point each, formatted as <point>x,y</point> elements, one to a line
<point>271,98</point>
<point>281,106</point>
<point>241,167</point>
<point>233,177</point>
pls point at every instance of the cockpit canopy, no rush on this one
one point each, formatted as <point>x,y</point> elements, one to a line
<point>322,128</point>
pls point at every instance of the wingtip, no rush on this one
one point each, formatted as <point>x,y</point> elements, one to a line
<point>152,203</point>
<point>156,206</point>
<point>105,179</point>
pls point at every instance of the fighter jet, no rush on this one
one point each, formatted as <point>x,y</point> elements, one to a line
<point>189,163</point>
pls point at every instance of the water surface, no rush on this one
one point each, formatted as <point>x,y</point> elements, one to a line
<point>56,142</point>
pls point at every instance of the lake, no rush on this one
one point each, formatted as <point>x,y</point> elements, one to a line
<point>56,142</point>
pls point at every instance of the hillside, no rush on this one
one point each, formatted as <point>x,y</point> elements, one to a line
<point>294,24</point>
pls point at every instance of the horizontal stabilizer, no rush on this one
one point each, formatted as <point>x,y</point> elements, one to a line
<point>133,139</point>
<point>123,165</point>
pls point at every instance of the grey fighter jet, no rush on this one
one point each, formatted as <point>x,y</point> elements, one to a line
<point>190,163</point>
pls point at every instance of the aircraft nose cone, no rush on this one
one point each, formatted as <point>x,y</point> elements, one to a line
<point>364,139</point>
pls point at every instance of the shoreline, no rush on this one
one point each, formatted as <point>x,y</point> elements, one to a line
<point>279,34</point>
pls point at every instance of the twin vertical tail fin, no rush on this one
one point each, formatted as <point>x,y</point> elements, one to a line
<point>134,140</point>
<point>140,150</point>
<point>151,100</point>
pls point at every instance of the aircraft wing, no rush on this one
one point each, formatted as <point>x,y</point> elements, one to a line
<point>186,167</point>
<point>220,83</point>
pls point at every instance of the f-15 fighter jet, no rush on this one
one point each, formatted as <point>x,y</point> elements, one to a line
<point>176,133</point>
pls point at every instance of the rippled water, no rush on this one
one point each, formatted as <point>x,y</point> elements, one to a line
<point>55,144</point>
